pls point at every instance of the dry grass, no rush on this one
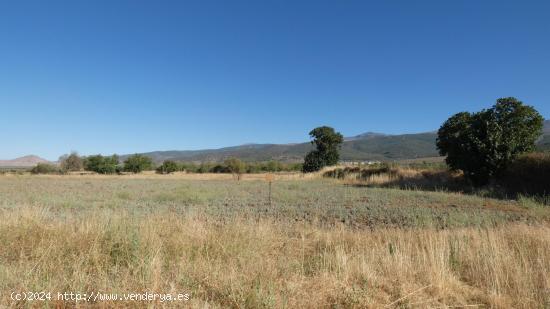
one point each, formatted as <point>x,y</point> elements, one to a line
<point>252,262</point>
<point>402,177</point>
<point>183,176</point>
<point>262,264</point>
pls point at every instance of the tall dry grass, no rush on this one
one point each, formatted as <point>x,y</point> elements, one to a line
<point>401,177</point>
<point>250,263</point>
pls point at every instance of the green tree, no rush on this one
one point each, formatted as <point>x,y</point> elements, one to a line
<point>235,166</point>
<point>188,167</point>
<point>483,144</point>
<point>168,167</point>
<point>137,163</point>
<point>101,164</point>
<point>273,166</point>
<point>327,143</point>
<point>71,163</point>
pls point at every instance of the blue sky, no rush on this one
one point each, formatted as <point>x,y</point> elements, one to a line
<point>134,76</point>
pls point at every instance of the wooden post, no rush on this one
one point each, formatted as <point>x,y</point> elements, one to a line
<point>269,178</point>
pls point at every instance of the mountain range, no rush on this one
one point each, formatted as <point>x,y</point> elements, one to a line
<point>362,147</point>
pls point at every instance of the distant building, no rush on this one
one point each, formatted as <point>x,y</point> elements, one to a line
<point>359,163</point>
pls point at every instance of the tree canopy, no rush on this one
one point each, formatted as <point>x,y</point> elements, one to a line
<point>71,163</point>
<point>483,144</point>
<point>138,163</point>
<point>101,164</point>
<point>327,144</point>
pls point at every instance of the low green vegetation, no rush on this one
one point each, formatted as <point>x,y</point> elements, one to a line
<point>168,167</point>
<point>101,164</point>
<point>231,165</point>
<point>45,168</point>
<point>137,164</point>
<point>323,202</point>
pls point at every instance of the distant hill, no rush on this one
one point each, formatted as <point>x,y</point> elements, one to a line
<point>26,161</point>
<point>366,146</point>
<point>362,147</point>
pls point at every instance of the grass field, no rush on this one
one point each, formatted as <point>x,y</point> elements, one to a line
<point>318,243</point>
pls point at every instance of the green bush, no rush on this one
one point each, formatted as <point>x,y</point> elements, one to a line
<point>219,168</point>
<point>235,166</point>
<point>206,167</point>
<point>101,164</point>
<point>45,168</point>
<point>188,167</point>
<point>168,167</point>
<point>138,163</point>
<point>231,165</point>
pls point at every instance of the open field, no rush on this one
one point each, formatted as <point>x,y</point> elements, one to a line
<point>321,243</point>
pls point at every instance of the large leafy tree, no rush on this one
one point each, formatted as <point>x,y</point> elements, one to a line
<point>71,162</point>
<point>101,164</point>
<point>235,166</point>
<point>483,144</point>
<point>137,163</point>
<point>327,144</point>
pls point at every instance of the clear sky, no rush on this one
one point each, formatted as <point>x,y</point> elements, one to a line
<point>134,76</point>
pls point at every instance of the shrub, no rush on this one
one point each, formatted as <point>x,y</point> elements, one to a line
<point>71,163</point>
<point>45,168</point>
<point>273,166</point>
<point>207,167</point>
<point>235,166</point>
<point>528,175</point>
<point>189,167</point>
<point>138,163</point>
<point>168,167</point>
<point>101,164</point>
<point>218,168</point>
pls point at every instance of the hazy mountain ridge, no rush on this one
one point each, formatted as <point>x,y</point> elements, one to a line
<point>361,147</point>
<point>26,161</point>
<point>366,146</point>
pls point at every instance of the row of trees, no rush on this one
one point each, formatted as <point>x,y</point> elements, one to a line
<point>105,164</point>
<point>231,165</point>
<point>138,163</point>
